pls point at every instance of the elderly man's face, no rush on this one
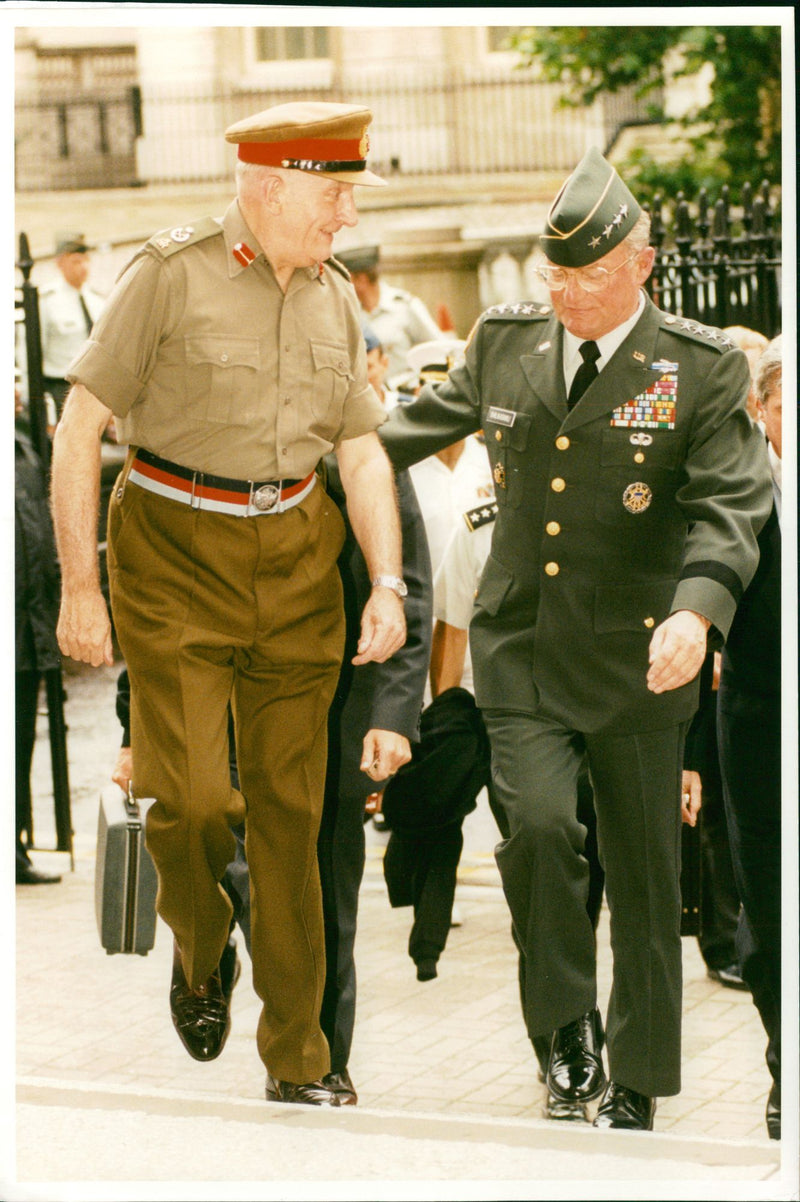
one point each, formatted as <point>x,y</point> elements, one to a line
<point>590,315</point>
<point>316,208</point>
<point>770,410</point>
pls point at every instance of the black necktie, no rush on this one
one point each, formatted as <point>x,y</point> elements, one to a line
<point>87,317</point>
<point>585,373</point>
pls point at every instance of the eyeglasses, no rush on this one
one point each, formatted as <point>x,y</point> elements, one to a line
<point>590,279</point>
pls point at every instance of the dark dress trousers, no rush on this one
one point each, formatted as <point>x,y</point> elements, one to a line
<point>36,599</point>
<point>749,727</point>
<point>609,519</point>
<point>371,696</point>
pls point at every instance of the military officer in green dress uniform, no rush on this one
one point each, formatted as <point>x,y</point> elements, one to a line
<point>630,485</point>
<point>231,354</point>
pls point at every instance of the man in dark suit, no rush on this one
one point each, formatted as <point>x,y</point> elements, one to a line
<point>630,491</point>
<point>749,726</point>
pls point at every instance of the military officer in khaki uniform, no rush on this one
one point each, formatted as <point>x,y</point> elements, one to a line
<point>628,507</point>
<point>232,357</point>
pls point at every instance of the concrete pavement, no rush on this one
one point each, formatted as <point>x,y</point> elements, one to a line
<point>109,1105</point>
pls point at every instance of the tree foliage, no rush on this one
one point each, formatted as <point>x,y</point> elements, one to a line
<point>734,137</point>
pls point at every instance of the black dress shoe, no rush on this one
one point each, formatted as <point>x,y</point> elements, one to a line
<point>774,1111</point>
<point>314,1093</point>
<point>625,1108</point>
<point>575,1072</point>
<point>230,969</point>
<point>342,1086</point>
<point>200,1016</point>
<point>565,1112</point>
<point>28,875</point>
<point>729,977</point>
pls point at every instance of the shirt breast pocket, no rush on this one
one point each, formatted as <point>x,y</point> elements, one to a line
<point>331,383</point>
<point>222,378</point>
<point>506,443</point>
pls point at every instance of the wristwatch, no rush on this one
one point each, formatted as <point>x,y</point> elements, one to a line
<point>395,583</point>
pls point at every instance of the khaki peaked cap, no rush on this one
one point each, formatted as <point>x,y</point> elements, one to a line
<point>311,135</point>
<point>593,213</point>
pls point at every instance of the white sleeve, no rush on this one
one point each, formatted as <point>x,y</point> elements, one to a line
<point>457,578</point>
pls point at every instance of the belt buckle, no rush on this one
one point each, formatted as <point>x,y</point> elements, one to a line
<point>266,497</point>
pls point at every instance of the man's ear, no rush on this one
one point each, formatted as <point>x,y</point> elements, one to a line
<point>274,193</point>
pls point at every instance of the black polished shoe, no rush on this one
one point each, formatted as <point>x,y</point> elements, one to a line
<point>729,977</point>
<point>575,1072</point>
<point>626,1109</point>
<point>342,1086</point>
<point>27,874</point>
<point>200,1016</point>
<point>314,1093</point>
<point>230,969</point>
<point>565,1112</point>
<point>774,1111</point>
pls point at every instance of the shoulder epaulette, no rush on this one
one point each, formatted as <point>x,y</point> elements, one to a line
<point>340,267</point>
<point>481,515</point>
<point>520,309</point>
<point>166,242</point>
<point>709,336</point>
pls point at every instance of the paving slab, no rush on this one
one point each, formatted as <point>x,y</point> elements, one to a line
<point>108,1104</point>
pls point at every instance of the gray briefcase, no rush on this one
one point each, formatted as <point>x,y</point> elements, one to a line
<point>125,880</point>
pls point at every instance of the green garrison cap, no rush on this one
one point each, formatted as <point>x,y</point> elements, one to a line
<point>591,215</point>
<point>359,258</point>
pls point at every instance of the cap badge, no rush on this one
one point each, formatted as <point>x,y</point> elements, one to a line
<point>637,497</point>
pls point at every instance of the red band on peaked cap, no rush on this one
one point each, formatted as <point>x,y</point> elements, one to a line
<point>272,154</point>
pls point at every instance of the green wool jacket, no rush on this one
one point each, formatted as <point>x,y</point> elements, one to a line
<point>645,499</point>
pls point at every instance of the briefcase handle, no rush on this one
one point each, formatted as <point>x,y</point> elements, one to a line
<point>131,804</point>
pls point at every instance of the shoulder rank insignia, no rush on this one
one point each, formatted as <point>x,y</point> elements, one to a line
<point>708,335</point>
<point>166,242</point>
<point>481,515</point>
<point>519,309</point>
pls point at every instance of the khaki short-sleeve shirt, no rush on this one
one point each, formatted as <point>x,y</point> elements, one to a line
<point>204,360</point>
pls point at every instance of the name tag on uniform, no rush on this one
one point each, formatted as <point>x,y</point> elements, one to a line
<point>501,417</point>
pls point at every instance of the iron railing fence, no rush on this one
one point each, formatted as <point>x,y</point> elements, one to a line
<point>719,264</point>
<point>453,121</point>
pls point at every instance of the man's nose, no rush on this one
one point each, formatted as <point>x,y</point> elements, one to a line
<point>572,288</point>
<point>347,212</point>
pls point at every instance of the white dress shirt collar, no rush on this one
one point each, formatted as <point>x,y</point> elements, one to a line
<point>606,345</point>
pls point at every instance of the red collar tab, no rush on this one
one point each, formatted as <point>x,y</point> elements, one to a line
<point>243,254</point>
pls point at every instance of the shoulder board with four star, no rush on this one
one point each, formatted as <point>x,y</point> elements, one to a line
<point>481,515</point>
<point>711,337</point>
<point>520,310</point>
<point>166,242</point>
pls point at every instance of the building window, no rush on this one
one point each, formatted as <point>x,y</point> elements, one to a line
<point>291,42</point>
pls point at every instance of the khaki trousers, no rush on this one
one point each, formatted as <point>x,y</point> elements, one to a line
<point>211,608</point>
